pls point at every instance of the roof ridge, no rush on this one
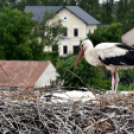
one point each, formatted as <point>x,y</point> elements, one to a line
<point>24,72</point>
<point>128,30</point>
<point>76,10</point>
<point>27,60</point>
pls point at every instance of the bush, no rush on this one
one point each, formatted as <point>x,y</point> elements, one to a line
<point>52,56</point>
<point>105,84</point>
<point>122,87</point>
<point>131,86</point>
<point>111,33</point>
<point>89,74</point>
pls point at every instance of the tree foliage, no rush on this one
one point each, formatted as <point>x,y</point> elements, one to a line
<point>23,3</point>
<point>19,41</point>
<point>90,6</point>
<point>3,3</point>
<point>107,12</point>
<point>37,49</point>
<point>54,31</point>
<point>125,13</point>
<point>89,74</point>
<point>52,56</point>
<point>16,35</point>
<point>111,33</point>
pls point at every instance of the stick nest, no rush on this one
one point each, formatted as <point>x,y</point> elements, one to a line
<point>26,112</point>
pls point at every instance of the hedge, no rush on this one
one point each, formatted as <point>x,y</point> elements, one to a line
<point>52,56</point>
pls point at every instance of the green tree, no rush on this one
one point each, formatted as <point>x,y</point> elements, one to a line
<point>52,56</point>
<point>72,2</point>
<point>126,78</point>
<point>107,12</point>
<point>37,49</point>
<point>16,35</point>
<point>111,33</point>
<point>57,2</point>
<point>12,2</point>
<point>89,74</point>
<point>90,6</point>
<point>3,3</point>
<point>53,31</point>
<point>21,4</point>
<point>125,13</point>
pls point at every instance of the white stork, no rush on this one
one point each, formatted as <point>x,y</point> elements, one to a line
<point>114,56</point>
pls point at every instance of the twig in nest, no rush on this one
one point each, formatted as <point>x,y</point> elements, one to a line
<point>11,77</point>
<point>89,88</point>
<point>7,120</point>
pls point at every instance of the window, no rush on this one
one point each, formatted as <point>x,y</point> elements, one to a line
<point>66,32</point>
<point>76,50</point>
<point>65,18</point>
<point>55,48</point>
<point>65,49</point>
<point>75,32</point>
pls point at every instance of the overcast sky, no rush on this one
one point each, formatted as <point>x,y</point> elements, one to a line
<point>105,0</point>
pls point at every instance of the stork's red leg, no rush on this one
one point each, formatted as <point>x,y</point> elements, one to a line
<point>113,82</point>
<point>117,79</point>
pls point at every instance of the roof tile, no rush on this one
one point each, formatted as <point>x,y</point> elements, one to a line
<point>21,73</point>
<point>79,12</point>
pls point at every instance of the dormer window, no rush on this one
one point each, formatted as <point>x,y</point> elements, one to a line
<point>65,18</point>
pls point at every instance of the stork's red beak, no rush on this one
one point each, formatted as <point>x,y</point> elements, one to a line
<point>79,57</point>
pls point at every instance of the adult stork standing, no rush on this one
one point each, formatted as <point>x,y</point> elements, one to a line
<point>113,56</point>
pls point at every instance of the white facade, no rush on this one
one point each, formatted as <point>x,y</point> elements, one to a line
<point>128,37</point>
<point>76,30</point>
<point>48,75</point>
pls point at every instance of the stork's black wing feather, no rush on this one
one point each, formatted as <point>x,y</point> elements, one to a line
<point>126,59</point>
<point>124,46</point>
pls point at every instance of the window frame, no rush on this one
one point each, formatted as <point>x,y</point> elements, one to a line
<point>77,32</point>
<point>65,16</point>
<point>66,31</point>
<point>65,53</point>
<point>76,46</point>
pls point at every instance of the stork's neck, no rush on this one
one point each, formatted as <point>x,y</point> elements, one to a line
<point>91,56</point>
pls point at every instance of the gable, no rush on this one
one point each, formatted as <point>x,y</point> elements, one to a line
<point>49,74</point>
<point>128,31</point>
<point>21,73</point>
<point>72,19</point>
<point>128,37</point>
<point>77,11</point>
<point>81,14</point>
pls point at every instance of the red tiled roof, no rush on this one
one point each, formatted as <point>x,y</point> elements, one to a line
<point>21,73</point>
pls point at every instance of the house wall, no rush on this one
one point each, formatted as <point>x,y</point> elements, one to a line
<point>48,75</point>
<point>128,37</point>
<point>72,22</point>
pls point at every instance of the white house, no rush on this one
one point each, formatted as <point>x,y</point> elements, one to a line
<point>26,73</point>
<point>128,36</point>
<point>76,20</point>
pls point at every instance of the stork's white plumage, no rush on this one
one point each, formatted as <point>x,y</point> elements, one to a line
<point>114,56</point>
